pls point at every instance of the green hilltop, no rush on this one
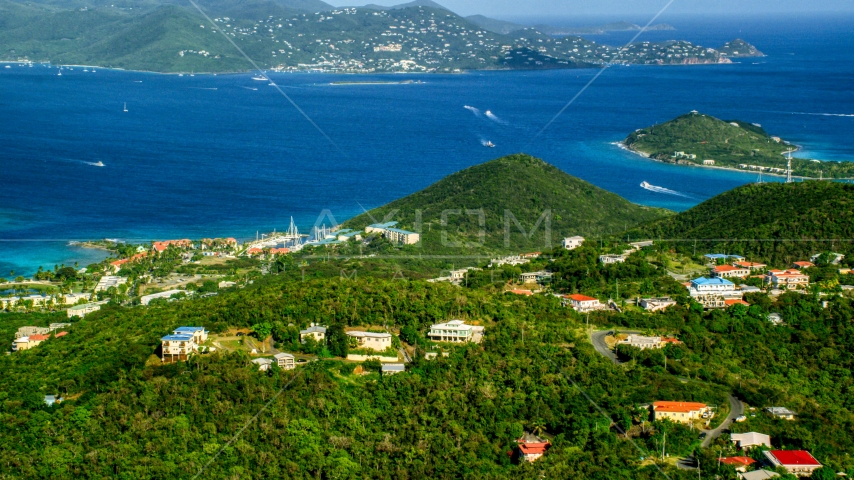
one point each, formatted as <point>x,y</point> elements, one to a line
<point>775,222</point>
<point>694,138</point>
<point>522,185</point>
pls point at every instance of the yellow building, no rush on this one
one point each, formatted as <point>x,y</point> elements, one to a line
<point>682,412</point>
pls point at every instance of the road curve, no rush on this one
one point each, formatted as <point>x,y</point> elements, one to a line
<point>736,409</point>
<point>598,340</point>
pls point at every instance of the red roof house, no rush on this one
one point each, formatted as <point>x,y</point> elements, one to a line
<point>61,334</point>
<point>532,447</point>
<point>739,463</point>
<point>736,301</point>
<point>801,265</point>
<point>797,462</point>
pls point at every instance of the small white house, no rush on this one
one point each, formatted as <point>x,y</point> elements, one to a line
<point>571,243</point>
<point>263,363</point>
<point>285,361</point>
<point>393,368</point>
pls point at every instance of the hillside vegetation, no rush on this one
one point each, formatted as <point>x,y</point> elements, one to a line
<point>730,143</point>
<point>298,35</point>
<point>478,203</point>
<point>777,222</point>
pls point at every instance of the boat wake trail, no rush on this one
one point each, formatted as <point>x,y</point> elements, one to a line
<point>654,188</point>
<point>494,118</point>
<point>825,114</point>
<point>472,110</point>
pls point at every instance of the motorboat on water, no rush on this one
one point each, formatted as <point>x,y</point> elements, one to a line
<point>489,144</point>
<point>98,164</point>
<point>645,185</point>
<point>260,78</point>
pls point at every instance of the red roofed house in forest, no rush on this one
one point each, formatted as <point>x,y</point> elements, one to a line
<point>796,462</point>
<point>532,447</point>
<point>583,303</point>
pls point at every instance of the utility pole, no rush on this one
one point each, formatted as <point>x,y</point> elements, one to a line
<point>663,443</point>
<point>789,167</point>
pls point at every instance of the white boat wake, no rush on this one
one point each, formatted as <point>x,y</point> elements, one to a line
<point>494,118</point>
<point>472,110</point>
<point>825,114</point>
<point>654,188</point>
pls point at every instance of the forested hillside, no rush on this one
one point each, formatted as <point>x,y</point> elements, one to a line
<point>776,222</point>
<point>468,211</point>
<point>123,417</point>
<point>298,35</point>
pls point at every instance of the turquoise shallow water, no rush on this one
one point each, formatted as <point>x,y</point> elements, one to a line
<point>224,155</point>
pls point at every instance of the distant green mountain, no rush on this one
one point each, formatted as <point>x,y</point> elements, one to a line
<point>503,27</point>
<point>621,26</point>
<point>478,202</point>
<point>493,25</point>
<point>695,139</point>
<point>415,3</point>
<point>775,222</point>
<point>300,35</point>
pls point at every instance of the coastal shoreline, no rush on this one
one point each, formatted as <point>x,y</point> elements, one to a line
<point>623,146</point>
<point>592,66</point>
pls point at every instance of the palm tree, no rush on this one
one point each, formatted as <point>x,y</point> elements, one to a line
<point>538,427</point>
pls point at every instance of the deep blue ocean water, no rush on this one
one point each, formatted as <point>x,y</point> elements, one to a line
<point>209,155</point>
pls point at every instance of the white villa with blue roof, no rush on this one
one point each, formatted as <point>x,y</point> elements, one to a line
<point>183,342</point>
<point>713,292</point>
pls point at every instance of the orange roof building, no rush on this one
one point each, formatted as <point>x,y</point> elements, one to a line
<point>583,303</point>
<point>739,463</point>
<point>750,265</point>
<point>161,247</point>
<point>683,412</point>
<point>532,447</point>
<point>735,301</point>
<point>728,271</point>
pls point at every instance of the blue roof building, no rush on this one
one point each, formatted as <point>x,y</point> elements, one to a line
<point>187,330</point>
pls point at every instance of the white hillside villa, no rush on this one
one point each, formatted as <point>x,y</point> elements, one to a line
<point>571,243</point>
<point>454,331</point>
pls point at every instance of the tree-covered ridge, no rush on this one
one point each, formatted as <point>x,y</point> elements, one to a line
<point>128,418</point>
<point>479,202</point>
<point>166,36</point>
<point>777,222</point>
<point>694,138</point>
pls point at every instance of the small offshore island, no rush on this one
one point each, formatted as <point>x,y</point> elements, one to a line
<point>701,140</point>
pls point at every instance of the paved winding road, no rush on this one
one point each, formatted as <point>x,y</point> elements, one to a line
<point>598,341</point>
<point>736,409</point>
